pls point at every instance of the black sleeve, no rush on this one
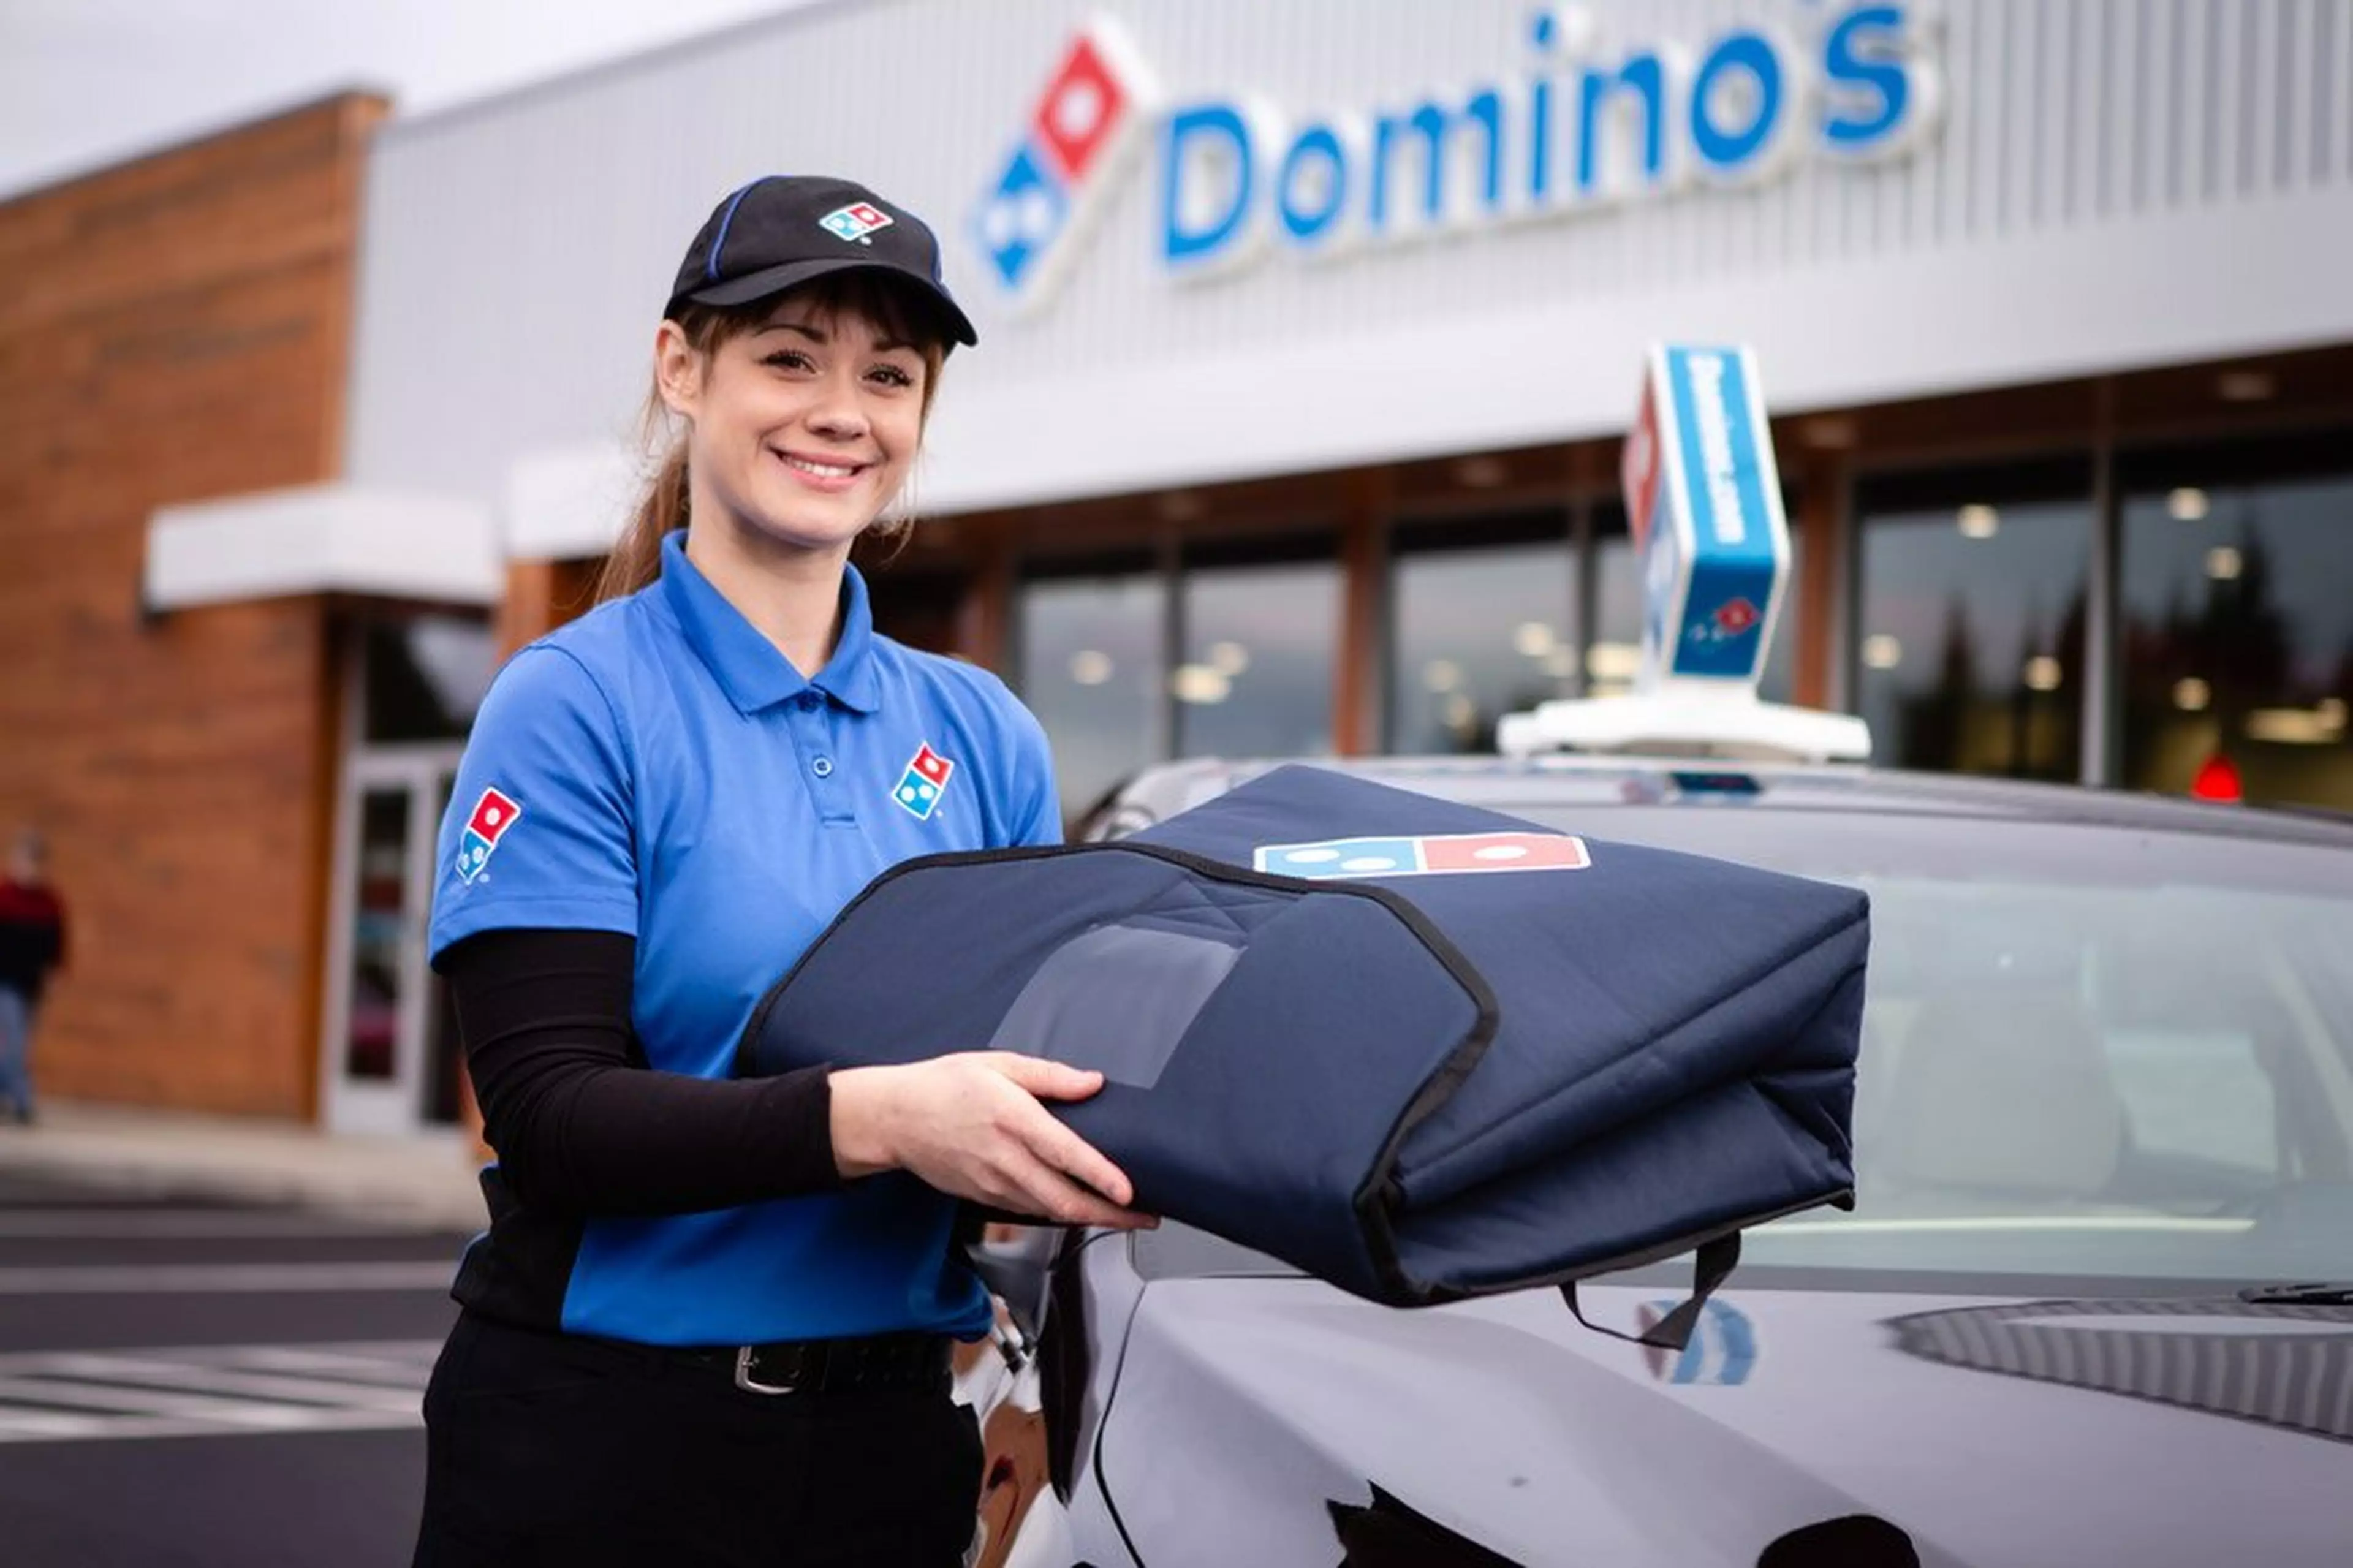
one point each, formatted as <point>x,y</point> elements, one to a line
<point>581,1125</point>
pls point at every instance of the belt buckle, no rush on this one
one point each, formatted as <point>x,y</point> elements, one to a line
<point>746,1355</point>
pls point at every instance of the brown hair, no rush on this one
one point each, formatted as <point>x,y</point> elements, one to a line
<point>895,310</point>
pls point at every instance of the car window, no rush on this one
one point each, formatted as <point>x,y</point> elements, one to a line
<point>2087,1050</point>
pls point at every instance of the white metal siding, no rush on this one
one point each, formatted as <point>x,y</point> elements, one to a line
<point>2136,152</point>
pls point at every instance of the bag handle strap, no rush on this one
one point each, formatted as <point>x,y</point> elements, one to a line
<point>1713,1264</point>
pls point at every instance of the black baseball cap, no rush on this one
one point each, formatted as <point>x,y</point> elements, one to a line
<point>785,229</point>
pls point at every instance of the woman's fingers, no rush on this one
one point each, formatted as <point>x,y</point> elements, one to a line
<point>1043,1189</point>
<point>1002,1146</point>
<point>1064,1151</point>
<point>1053,1142</point>
<point>1046,1080</point>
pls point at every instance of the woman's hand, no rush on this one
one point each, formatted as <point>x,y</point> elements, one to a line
<point>970,1125</point>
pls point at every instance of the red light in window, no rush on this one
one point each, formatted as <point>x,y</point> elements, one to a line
<point>2218,779</point>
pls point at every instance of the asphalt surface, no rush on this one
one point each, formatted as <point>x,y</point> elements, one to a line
<point>200,1385</point>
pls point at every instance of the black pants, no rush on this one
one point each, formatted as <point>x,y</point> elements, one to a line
<point>542,1448</point>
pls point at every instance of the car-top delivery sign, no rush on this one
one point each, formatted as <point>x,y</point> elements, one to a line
<point>1704,505</point>
<point>1570,121</point>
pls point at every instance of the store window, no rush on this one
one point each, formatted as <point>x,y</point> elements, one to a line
<point>2237,619</point>
<point>1090,665</point>
<point>1254,676</point>
<point>1970,618</point>
<point>424,677</point>
<point>1616,654</point>
<point>1481,623</point>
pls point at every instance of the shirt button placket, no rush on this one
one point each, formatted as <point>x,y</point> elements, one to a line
<point>814,741</point>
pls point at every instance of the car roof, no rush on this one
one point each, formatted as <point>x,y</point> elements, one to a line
<point>1552,779</point>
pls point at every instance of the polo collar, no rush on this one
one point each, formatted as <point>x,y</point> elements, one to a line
<point>748,667</point>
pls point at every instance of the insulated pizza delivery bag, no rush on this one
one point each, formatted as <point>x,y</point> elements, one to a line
<point>1419,1049</point>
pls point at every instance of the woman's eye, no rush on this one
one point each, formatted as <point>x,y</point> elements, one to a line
<point>788,358</point>
<point>892,376</point>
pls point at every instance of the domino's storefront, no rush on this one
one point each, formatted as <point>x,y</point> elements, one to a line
<point>1312,334</point>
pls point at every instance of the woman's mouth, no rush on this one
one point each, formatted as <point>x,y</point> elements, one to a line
<point>819,474</point>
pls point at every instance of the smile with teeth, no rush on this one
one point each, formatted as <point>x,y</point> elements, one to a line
<point>811,466</point>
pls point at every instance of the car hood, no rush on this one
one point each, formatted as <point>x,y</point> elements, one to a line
<point>1994,1431</point>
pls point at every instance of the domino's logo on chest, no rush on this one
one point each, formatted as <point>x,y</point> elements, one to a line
<point>923,783</point>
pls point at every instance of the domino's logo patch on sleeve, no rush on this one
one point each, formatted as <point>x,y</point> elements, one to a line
<point>492,816</point>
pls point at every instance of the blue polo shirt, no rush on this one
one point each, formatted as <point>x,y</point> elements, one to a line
<point>659,769</point>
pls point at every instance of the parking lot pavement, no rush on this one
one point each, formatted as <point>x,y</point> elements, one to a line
<point>203,1383</point>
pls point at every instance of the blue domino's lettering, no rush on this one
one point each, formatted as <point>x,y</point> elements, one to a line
<point>1580,125</point>
<point>1320,154</point>
<point>1729,150</point>
<point>1645,75</point>
<point>1433,126</point>
<point>1191,138</point>
<point>1871,94</point>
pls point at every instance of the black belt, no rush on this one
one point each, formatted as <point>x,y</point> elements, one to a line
<point>868,1364</point>
<point>876,1363</point>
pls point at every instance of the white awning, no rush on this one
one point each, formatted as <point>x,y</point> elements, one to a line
<point>569,504</point>
<point>323,538</point>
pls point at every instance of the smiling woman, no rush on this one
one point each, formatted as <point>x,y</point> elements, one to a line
<point>660,805</point>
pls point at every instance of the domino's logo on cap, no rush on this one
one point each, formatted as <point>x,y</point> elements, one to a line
<point>855,221</point>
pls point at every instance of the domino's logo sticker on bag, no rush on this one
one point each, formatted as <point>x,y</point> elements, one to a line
<point>492,816</point>
<point>1425,854</point>
<point>926,779</point>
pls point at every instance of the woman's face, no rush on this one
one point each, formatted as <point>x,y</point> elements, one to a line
<point>804,428</point>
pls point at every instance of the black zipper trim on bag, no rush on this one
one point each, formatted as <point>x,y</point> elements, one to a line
<point>1373,1198</point>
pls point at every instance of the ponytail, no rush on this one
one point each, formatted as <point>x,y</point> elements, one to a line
<point>636,560</point>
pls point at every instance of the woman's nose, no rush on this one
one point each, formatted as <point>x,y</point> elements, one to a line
<point>838,415</point>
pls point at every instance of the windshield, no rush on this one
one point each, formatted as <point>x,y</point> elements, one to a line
<point>2087,1051</point>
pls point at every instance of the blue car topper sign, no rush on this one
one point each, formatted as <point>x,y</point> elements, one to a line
<point>1703,502</point>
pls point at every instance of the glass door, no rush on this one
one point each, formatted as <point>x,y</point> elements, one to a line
<point>389,1058</point>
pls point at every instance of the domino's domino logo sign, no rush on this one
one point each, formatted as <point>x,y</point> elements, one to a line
<point>1049,187</point>
<point>492,816</point>
<point>1704,504</point>
<point>926,779</point>
<point>1423,855</point>
<point>1577,120</point>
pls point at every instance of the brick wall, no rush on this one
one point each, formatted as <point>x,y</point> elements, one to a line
<point>172,329</point>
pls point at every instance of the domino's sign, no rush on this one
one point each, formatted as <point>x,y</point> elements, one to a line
<point>1577,123</point>
<point>1703,505</point>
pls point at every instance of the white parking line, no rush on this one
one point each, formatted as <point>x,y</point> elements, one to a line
<point>205,1278</point>
<point>194,1224</point>
<point>174,1375</point>
<point>50,1397</point>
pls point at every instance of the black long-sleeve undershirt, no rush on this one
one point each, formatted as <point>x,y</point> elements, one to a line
<point>581,1125</point>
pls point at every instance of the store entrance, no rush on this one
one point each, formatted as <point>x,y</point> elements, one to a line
<point>391,1051</point>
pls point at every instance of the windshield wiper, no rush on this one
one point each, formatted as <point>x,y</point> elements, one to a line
<point>2318,1294</point>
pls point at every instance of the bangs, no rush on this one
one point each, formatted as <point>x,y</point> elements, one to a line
<point>896,310</point>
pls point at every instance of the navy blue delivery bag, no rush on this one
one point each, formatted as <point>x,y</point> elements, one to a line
<point>1418,1048</point>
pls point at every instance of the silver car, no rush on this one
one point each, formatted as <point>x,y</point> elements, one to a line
<point>2091,1307</point>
